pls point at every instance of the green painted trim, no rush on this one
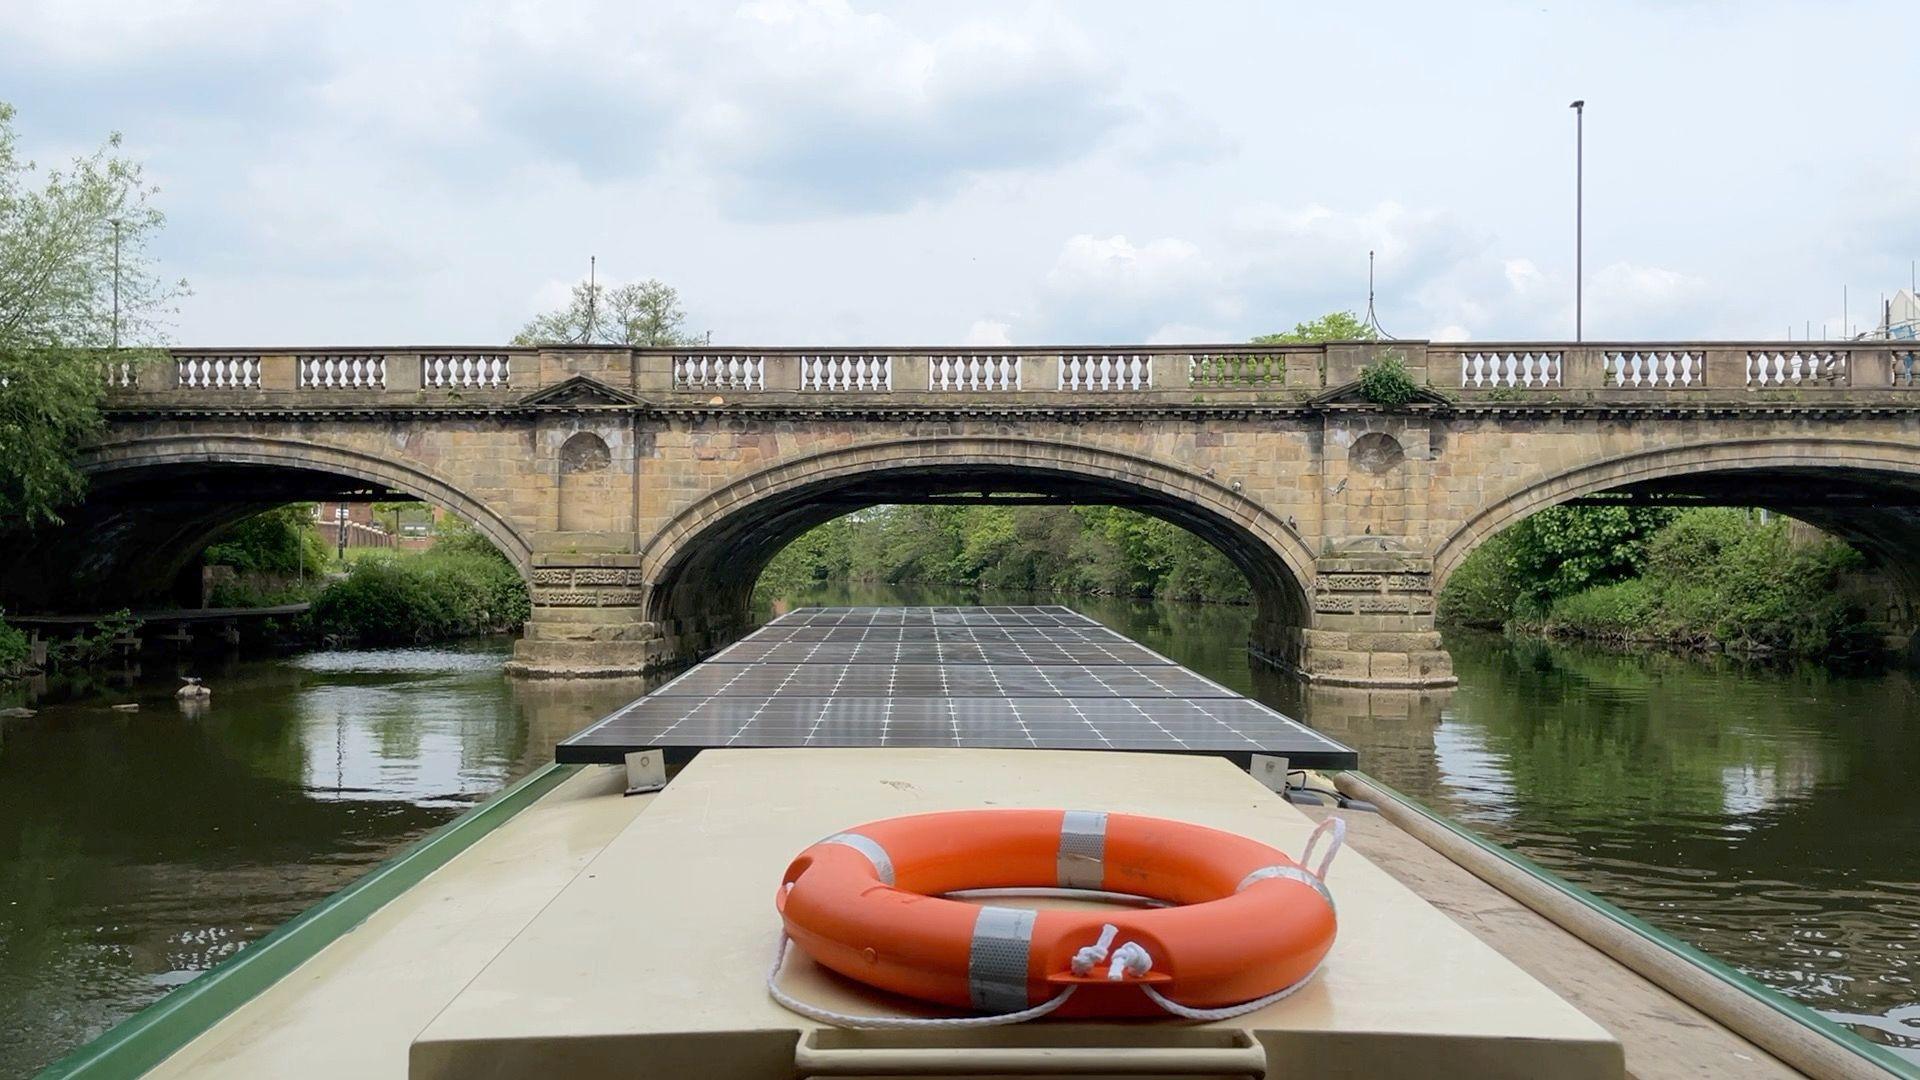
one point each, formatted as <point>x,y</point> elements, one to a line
<point>153,1034</point>
<point>1785,1007</point>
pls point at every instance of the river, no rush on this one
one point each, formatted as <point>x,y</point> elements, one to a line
<point>1765,815</point>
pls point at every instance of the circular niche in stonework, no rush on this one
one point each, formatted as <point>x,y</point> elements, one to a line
<point>1375,452</point>
<point>584,452</point>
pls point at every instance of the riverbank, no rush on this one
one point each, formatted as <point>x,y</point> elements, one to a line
<point>1718,580</point>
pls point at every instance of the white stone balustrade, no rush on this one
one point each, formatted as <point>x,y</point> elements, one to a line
<point>463,371</point>
<point>217,371</point>
<point>1773,368</point>
<point>1509,369</point>
<point>1106,372</point>
<point>973,371</point>
<point>733,371</point>
<point>342,371</point>
<point>1655,369</point>
<point>843,373</point>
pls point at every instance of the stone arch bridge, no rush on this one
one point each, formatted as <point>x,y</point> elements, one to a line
<point>642,491</point>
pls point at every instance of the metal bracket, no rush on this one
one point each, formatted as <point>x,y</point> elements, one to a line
<point>646,771</point>
<point>1270,770</point>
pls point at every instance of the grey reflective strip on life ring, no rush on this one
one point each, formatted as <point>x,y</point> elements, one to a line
<point>1292,873</point>
<point>997,960</point>
<point>1083,849</point>
<point>866,845</point>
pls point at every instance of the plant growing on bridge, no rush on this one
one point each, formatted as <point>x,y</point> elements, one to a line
<point>1387,382</point>
<point>75,280</point>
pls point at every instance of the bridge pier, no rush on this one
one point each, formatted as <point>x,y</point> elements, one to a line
<point>1373,625</point>
<point>589,619</point>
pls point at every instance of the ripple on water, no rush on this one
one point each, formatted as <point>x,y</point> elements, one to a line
<point>415,661</point>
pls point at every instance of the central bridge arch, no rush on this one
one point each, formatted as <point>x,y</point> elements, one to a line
<point>701,567</point>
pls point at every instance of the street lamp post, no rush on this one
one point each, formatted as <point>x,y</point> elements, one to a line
<point>1579,209</point>
<point>340,522</point>
<point>116,283</point>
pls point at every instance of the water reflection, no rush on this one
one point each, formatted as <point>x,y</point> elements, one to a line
<point>139,848</point>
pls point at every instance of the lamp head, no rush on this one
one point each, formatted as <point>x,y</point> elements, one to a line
<point>1581,104</point>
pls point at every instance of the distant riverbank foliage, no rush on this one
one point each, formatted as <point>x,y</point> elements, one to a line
<point>1717,578</point>
<point>278,541</point>
<point>460,587</point>
<point>1097,550</point>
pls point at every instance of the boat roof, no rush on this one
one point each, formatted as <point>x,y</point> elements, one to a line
<point>652,961</point>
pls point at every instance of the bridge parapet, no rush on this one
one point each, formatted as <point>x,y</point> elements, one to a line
<point>1721,373</point>
<point>1624,371</point>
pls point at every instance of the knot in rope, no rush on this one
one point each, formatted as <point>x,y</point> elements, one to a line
<point>1130,959</point>
<point>1092,956</point>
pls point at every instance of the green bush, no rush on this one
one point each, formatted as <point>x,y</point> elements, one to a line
<point>1387,382</point>
<point>1481,591</point>
<point>13,646</point>
<point>399,600</point>
<point>279,541</point>
<point>1627,610</point>
<point>1701,577</point>
<point>255,591</point>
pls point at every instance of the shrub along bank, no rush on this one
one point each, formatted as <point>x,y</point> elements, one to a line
<point>1703,578</point>
<point>411,599</point>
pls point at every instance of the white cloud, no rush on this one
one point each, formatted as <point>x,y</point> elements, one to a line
<point>989,332</point>
<point>1280,266</point>
<point>114,31</point>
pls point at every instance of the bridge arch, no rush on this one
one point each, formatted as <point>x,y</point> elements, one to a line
<point>154,501</point>
<point>1886,528</point>
<point>711,553</point>
<point>174,451</point>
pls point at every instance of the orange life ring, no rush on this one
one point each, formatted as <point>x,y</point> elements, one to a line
<point>1246,920</point>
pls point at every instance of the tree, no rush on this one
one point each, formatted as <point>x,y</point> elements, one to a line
<point>67,247</point>
<point>1333,326</point>
<point>645,313</point>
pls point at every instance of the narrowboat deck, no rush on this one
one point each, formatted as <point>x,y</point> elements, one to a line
<point>449,963</point>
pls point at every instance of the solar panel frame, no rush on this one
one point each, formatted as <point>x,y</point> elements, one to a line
<point>1001,677</point>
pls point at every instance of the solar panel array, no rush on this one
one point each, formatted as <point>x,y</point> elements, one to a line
<point>1040,676</point>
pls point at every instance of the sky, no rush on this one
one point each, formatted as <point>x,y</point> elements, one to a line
<point>838,173</point>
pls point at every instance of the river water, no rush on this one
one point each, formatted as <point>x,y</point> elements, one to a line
<point>1768,816</point>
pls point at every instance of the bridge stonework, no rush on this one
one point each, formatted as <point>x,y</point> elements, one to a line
<point>642,491</point>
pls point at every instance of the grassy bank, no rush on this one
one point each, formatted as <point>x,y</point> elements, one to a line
<point>1700,578</point>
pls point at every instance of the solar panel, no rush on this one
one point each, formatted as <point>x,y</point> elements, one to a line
<point>877,632</point>
<point>944,676</point>
<point>940,681</point>
<point>938,652</point>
